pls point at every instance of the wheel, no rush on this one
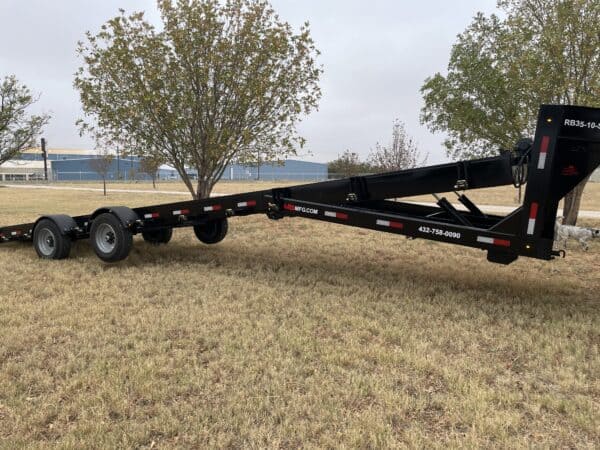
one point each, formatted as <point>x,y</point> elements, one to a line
<point>211,232</point>
<point>160,236</point>
<point>48,241</point>
<point>110,240</point>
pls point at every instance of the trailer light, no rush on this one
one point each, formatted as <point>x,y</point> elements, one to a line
<point>528,247</point>
<point>549,120</point>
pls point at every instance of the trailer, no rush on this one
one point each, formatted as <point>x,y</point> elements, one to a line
<point>564,151</point>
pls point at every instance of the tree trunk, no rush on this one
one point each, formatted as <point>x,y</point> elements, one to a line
<point>572,203</point>
<point>154,182</point>
<point>204,189</point>
<point>104,185</point>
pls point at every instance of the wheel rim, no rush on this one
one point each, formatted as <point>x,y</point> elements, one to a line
<point>46,242</point>
<point>106,238</point>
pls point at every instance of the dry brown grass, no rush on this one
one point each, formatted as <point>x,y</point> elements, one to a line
<point>504,195</point>
<point>293,333</point>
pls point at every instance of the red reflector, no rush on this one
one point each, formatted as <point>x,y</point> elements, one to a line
<point>502,242</point>
<point>570,171</point>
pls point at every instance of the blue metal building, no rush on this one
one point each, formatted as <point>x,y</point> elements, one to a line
<point>129,169</point>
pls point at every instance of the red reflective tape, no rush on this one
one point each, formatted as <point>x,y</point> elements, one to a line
<point>185,211</point>
<point>216,207</point>
<point>251,203</point>
<point>545,144</point>
<point>533,211</point>
<point>342,216</point>
<point>502,242</point>
<point>289,207</point>
<point>397,225</point>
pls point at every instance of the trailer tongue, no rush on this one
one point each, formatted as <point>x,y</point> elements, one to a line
<point>566,149</point>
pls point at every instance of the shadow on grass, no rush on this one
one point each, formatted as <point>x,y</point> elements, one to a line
<point>486,284</point>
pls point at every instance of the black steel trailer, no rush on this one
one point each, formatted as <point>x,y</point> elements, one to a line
<point>565,150</point>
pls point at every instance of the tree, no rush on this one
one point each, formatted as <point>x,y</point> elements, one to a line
<point>348,164</point>
<point>150,165</point>
<point>402,153</point>
<point>218,78</point>
<point>18,131</point>
<point>502,69</point>
<point>101,164</point>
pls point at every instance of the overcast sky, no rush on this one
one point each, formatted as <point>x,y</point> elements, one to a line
<point>375,53</point>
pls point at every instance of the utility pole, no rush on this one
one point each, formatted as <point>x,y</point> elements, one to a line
<point>45,156</point>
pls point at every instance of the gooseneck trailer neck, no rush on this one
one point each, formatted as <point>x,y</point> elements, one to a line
<point>565,151</point>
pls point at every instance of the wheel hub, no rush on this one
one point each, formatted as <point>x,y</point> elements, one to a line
<point>46,242</point>
<point>106,238</point>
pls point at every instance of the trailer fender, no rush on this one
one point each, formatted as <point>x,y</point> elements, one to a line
<point>126,216</point>
<point>66,224</point>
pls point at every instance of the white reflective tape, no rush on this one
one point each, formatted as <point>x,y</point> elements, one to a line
<point>531,226</point>
<point>485,240</point>
<point>383,223</point>
<point>13,233</point>
<point>177,213</point>
<point>208,208</point>
<point>330,214</point>
<point>242,204</point>
<point>542,161</point>
<point>147,216</point>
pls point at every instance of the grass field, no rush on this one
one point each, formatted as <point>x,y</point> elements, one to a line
<point>293,333</point>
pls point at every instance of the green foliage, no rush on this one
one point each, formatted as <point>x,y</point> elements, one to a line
<point>17,130</point>
<point>217,80</point>
<point>501,70</point>
<point>348,164</point>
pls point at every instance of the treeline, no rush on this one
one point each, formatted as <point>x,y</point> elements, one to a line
<point>401,153</point>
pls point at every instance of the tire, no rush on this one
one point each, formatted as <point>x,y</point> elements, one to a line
<point>159,236</point>
<point>110,240</point>
<point>211,232</point>
<point>49,242</point>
